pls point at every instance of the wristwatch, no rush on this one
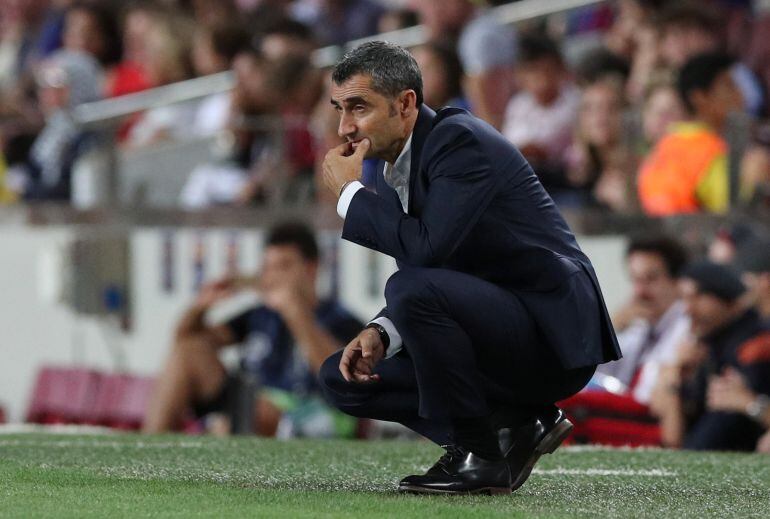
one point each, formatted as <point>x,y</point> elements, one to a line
<point>757,408</point>
<point>380,329</point>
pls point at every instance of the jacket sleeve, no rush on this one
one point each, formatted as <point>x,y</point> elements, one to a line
<point>460,187</point>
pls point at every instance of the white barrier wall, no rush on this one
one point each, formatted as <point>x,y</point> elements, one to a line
<point>38,328</point>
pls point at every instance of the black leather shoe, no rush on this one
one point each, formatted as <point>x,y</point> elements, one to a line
<point>523,446</point>
<point>460,471</point>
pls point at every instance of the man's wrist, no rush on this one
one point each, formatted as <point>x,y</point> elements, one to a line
<point>757,409</point>
<point>382,332</point>
<point>342,188</point>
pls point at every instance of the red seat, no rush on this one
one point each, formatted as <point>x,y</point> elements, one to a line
<point>608,419</point>
<point>63,395</point>
<point>121,401</point>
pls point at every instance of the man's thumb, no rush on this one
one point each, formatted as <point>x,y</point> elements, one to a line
<point>362,148</point>
<point>366,350</point>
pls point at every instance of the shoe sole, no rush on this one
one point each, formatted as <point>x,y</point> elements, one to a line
<point>547,445</point>
<point>492,491</point>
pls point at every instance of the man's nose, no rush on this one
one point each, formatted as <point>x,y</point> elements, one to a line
<point>346,127</point>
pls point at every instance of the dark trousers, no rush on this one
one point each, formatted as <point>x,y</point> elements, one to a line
<point>470,349</point>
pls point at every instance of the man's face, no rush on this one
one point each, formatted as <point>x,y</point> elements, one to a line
<point>678,44</point>
<point>707,312</point>
<point>654,290</point>
<point>284,265</point>
<point>366,114</point>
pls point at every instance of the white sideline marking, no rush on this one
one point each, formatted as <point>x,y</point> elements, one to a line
<point>604,472</point>
<point>107,444</point>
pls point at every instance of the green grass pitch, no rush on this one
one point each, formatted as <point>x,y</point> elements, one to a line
<point>45,475</point>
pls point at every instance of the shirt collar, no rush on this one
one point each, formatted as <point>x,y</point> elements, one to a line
<point>404,155</point>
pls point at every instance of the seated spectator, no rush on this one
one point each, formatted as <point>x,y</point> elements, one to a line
<point>540,118</point>
<point>169,55</point>
<point>214,48</point>
<point>598,161</point>
<point>282,344</point>
<point>687,29</point>
<point>286,38</point>
<point>729,337</point>
<point>130,74</point>
<point>91,28</point>
<point>337,22</point>
<point>661,108</point>
<point>687,171</point>
<point>488,82</point>
<point>249,151</point>
<point>442,75</point>
<point>730,393</point>
<point>753,259</point>
<point>653,323</point>
<point>65,80</point>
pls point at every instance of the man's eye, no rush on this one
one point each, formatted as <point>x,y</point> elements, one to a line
<point>337,108</point>
<point>359,108</point>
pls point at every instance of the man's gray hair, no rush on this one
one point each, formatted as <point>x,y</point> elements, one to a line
<point>391,68</point>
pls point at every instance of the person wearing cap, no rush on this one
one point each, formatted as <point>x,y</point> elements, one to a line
<point>753,260</point>
<point>729,335</point>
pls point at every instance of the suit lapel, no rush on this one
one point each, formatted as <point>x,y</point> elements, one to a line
<point>420,133</point>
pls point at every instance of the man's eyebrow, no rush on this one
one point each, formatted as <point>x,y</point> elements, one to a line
<point>351,101</point>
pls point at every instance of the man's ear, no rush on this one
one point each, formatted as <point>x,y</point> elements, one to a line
<point>407,102</point>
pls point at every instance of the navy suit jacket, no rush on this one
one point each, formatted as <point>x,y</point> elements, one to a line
<point>476,206</point>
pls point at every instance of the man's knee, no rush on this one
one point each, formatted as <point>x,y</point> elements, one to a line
<point>406,289</point>
<point>345,396</point>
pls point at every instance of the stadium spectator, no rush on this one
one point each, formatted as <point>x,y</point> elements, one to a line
<point>598,161</point>
<point>653,323</point>
<point>661,108</point>
<point>283,342</point>
<point>286,38</point>
<point>395,19</point>
<point>752,258</point>
<point>687,29</point>
<point>539,119</point>
<point>92,28</point>
<point>489,83</point>
<point>65,80</point>
<point>169,44</point>
<point>442,75</point>
<point>130,74</point>
<point>337,22</point>
<point>252,149</point>
<point>214,48</point>
<point>730,393</point>
<point>729,336</point>
<point>687,171</point>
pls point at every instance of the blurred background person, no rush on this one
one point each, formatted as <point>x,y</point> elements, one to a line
<point>653,322</point>
<point>283,342</point>
<point>727,333</point>
<point>442,75</point>
<point>730,393</point>
<point>687,171</point>
<point>540,118</point>
<point>598,163</point>
<point>65,80</point>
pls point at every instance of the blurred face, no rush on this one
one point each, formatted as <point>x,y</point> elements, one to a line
<point>719,101</point>
<point>81,33</point>
<point>135,31</point>
<point>284,263</point>
<point>707,312</point>
<point>365,113</point>
<point>434,79</point>
<point>52,90</point>
<point>205,59</point>
<point>250,93</point>
<point>447,16</point>
<point>662,108</point>
<point>654,290</point>
<point>542,79</point>
<point>679,44</point>
<point>600,114</point>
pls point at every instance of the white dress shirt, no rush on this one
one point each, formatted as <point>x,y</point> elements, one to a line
<point>396,176</point>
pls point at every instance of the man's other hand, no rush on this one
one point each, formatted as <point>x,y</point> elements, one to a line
<point>360,357</point>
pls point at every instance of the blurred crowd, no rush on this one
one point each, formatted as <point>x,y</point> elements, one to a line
<point>651,106</point>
